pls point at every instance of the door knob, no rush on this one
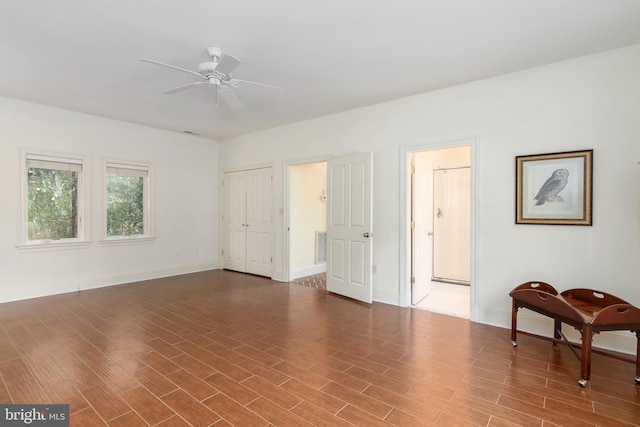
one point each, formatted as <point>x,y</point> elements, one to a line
<point>366,235</point>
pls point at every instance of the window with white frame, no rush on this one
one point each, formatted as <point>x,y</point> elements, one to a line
<point>53,192</point>
<point>127,201</point>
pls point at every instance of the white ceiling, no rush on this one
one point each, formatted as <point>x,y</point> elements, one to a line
<point>327,55</point>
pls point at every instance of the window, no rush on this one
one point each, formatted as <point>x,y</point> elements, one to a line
<point>127,202</point>
<point>53,190</point>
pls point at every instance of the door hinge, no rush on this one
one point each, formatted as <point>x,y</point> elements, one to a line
<point>272,259</point>
<point>413,225</point>
<point>413,170</point>
<point>413,279</point>
<point>223,252</point>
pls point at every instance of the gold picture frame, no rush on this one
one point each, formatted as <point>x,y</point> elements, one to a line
<point>554,188</point>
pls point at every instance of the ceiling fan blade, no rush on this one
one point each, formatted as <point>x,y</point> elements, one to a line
<point>249,82</point>
<point>229,97</point>
<point>183,87</point>
<point>227,64</point>
<point>173,67</point>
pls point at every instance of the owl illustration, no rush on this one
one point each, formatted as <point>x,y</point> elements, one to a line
<point>552,186</point>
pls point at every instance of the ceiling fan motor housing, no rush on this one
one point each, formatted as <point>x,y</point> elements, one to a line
<point>207,68</point>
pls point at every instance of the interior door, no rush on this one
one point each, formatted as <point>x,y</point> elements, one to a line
<point>248,220</point>
<point>234,255</point>
<point>452,225</point>
<point>349,226</point>
<point>259,219</point>
<point>420,230</point>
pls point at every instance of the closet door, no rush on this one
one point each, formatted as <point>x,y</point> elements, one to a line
<point>248,221</point>
<point>235,208</point>
<point>259,220</point>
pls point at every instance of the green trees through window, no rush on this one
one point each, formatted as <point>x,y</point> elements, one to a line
<point>52,204</point>
<point>126,201</point>
<point>55,201</point>
<point>125,205</point>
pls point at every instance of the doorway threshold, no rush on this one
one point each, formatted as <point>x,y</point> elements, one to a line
<point>446,298</point>
<point>451,281</point>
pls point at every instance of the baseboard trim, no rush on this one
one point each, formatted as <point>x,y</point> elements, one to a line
<point>308,271</point>
<point>38,290</point>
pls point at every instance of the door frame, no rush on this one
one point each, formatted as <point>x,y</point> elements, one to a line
<point>404,296</point>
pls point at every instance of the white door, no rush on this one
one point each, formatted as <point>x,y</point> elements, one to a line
<point>247,221</point>
<point>452,225</point>
<point>420,229</point>
<point>349,226</point>
<point>235,209</point>
<point>258,222</point>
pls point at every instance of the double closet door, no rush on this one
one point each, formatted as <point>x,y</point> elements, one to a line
<point>248,218</point>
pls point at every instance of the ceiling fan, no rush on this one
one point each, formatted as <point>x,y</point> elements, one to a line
<point>215,72</point>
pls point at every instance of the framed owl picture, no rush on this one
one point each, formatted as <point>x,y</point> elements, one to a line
<point>554,188</point>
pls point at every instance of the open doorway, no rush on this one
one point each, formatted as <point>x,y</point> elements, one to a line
<point>308,223</point>
<point>440,237</point>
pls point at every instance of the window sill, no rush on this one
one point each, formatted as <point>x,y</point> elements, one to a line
<point>126,241</point>
<point>52,245</point>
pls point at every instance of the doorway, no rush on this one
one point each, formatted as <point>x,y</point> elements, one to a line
<point>307,220</point>
<point>440,235</point>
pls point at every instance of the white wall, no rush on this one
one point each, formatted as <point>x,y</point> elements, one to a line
<point>308,215</point>
<point>185,191</point>
<point>587,103</point>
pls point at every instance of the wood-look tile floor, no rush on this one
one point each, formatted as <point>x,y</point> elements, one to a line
<point>223,348</point>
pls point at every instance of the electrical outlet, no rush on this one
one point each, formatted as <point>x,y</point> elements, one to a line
<point>178,251</point>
